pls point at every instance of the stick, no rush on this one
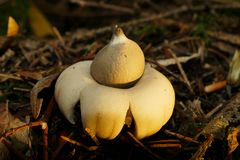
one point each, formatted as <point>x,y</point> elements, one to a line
<point>183,59</point>
<point>203,148</point>
<point>13,130</point>
<point>45,140</point>
<point>141,145</point>
<point>215,86</point>
<point>78,35</point>
<point>103,5</point>
<point>166,145</point>
<point>93,136</point>
<point>189,139</point>
<point>74,142</point>
<point>181,71</point>
<point>59,147</point>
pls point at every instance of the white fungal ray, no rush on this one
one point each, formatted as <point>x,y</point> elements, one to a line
<point>69,85</point>
<point>104,109</point>
<point>152,102</point>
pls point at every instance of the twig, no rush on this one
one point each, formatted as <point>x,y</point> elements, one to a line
<point>94,138</point>
<point>163,67</point>
<point>103,6</point>
<point>174,42</point>
<point>45,140</point>
<point>213,111</point>
<point>224,47</point>
<point>26,126</point>
<point>9,76</point>
<point>189,139</point>
<point>233,39</point>
<point>166,145</point>
<point>13,130</point>
<point>203,148</point>
<point>59,147</point>
<point>215,86</point>
<point>50,107</point>
<point>183,59</point>
<point>21,89</point>
<point>218,52</point>
<point>181,71</point>
<point>163,141</point>
<point>226,2</point>
<point>78,35</point>
<point>78,143</point>
<point>140,144</point>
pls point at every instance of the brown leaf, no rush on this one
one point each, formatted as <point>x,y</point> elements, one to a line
<point>233,133</point>
<point>36,102</point>
<point>19,140</point>
<point>31,74</point>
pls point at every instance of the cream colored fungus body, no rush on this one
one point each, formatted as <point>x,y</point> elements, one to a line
<point>104,109</point>
<point>97,84</point>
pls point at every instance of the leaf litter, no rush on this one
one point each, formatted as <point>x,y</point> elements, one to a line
<point>190,51</point>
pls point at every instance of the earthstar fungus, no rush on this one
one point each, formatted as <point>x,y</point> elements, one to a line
<point>116,81</point>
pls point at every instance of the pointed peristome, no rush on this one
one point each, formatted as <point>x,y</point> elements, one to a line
<point>120,63</point>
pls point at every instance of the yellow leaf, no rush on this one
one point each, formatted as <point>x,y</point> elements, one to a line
<point>232,139</point>
<point>13,27</point>
<point>39,24</point>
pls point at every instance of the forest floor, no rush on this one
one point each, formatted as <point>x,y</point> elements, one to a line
<point>191,42</point>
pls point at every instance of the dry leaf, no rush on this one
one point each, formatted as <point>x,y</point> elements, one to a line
<point>36,102</point>
<point>30,74</point>
<point>198,155</point>
<point>40,25</point>
<point>233,133</point>
<point>18,140</point>
<point>13,27</point>
<point>12,31</point>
